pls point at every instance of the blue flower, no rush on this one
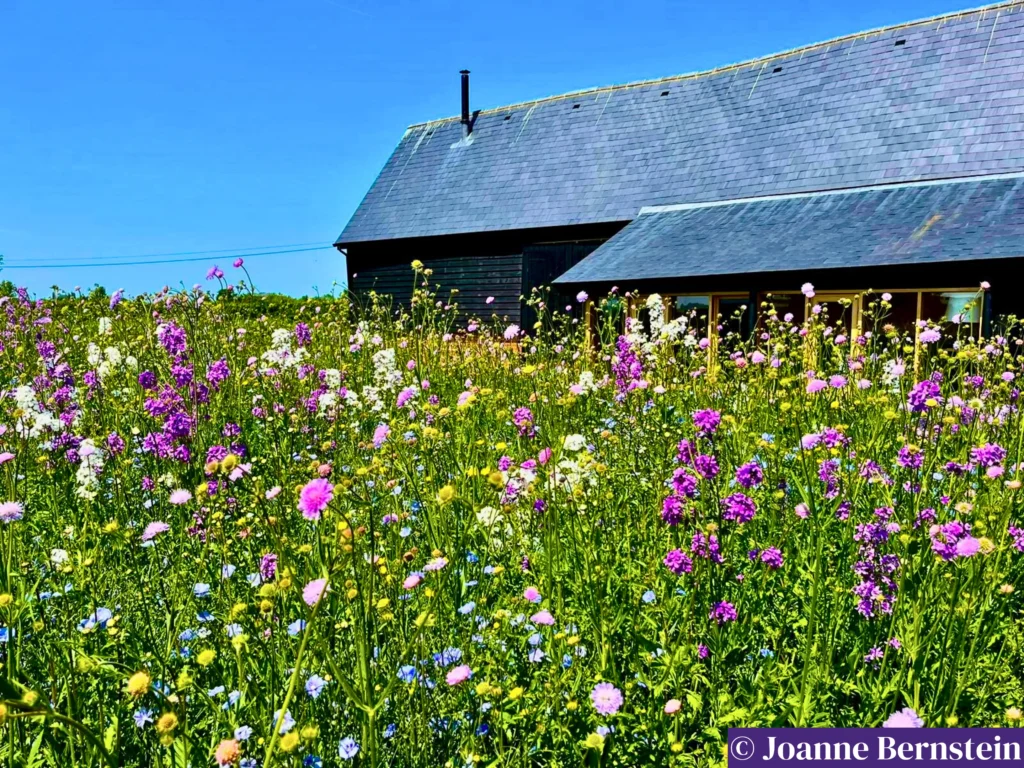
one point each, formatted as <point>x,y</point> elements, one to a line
<point>536,638</point>
<point>201,590</point>
<point>315,686</point>
<point>233,630</point>
<point>566,661</point>
<point>390,731</point>
<point>448,656</point>
<point>227,571</point>
<point>348,748</point>
<point>467,608</point>
<point>537,655</point>
<point>204,616</point>
<point>767,653</point>
<point>405,532</point>
<point>407,673</point>
<point>98,619</point>
<point>312,761</point>
<point>472,558</point>
<point>649,596</point>
<point>243,732</point>
<point>296,627</point>
<point>142,717</point>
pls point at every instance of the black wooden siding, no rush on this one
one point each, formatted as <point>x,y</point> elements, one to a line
<point>475,277</point>
<point>542,263</point>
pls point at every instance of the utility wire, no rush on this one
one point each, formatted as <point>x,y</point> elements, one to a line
<point>233,251</point>
<point>87,265</point>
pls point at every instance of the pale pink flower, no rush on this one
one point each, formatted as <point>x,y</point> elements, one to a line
<point>11,511</point>
<point>154,529</point>
<point>180,496</point>
<point>272,493</point>
<point>314,591</point>
<point>672,706</point>
<point>412,580</point>
<point>532,594</point>
<point>5,457</point>
<point>543,618</point>
<point>905,718</point>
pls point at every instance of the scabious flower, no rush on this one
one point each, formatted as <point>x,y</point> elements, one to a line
<point>154,529</point>
<point>314,591</point>
<point>227,752</point>
<point>458,675</point>
<point>532,594</point>
<point>904,718</point>
<point>606,698</point>
<point>11,511</point>
<point>314,498</point>
<point>180,496</point>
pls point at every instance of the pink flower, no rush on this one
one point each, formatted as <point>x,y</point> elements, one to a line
<point>543,618</point>
<point>272,493</point>
<point>511,332</point>
<point>11,511</point>
<point>380,434</point>
<point>459,674</point>
<point>801,510</point>
<point>607,699</point>
<point>180,496</point>
<point>154,529</point>
<point>930,335</point>
<point>405,396</point>
<point>532,594</point>
<point>581,296</point>
<point>815,385</point>
<point>238,263</point>
<point>807,290</point>
<point>412,580</point>
<point>544,456</point>
<point>905,718</point>
<point>5,457</point>
<point>968,546</point>
<point>314,591</point>
<point>314,498</point>
<point>490,300</point>
<point>672,706</point>
<point>756,358</point>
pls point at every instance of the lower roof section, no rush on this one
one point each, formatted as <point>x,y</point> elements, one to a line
<point>923,223</point>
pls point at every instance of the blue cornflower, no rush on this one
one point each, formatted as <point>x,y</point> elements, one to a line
<point>348,748</point>
<point>407,673</point>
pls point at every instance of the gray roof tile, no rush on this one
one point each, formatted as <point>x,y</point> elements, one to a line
<point>851,112</point>
<point>977,219</point>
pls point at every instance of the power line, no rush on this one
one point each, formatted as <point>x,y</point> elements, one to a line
<point>162,261</point>
<point>233,251</point>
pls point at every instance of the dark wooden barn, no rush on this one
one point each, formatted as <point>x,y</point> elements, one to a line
<point>890,160</point>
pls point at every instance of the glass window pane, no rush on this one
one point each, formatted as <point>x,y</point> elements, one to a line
<point>952,307</point>
<point>891,311</point>
<point>695,309</point>
<point>836,312</point>
<point>732,316</point>
<point>784,304</point>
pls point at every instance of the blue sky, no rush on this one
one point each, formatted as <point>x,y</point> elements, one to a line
<point>142,128</point>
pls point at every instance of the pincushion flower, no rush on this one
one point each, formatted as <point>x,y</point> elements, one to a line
<point>314,498</point>
<point>314,591</point>
<point>904,718</point>
<point>672,706</point>
<point>180,496</point>
<point>544,618</point>
<point>458,675</point>
<point>532,594</point>
<point>10,511</point>
<point>606,698</point>
<point>228,751</point>
<point>154,529</point>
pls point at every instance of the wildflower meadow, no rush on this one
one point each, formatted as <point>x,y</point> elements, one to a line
<point>241,530</point>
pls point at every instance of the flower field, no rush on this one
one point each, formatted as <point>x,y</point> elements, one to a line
<point>251,531</point>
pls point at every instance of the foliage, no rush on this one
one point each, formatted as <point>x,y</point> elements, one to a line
<point>328,534</point>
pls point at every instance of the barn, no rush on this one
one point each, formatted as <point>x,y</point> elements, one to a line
<point>889,160</point>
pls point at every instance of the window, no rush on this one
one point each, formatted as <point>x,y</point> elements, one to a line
<point>951,308</point>
<point>840,311</point>
<point>785,305</point>
<point>695,309</point>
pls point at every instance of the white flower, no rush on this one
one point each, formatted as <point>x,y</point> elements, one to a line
<point>332,378</point>
<point>105,326</point>
<point>58,556</point>
<point>488,516</point>
<point>574,442</point>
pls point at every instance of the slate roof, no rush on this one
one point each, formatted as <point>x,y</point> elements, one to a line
<point>918,223</point>
<point>859,110</point>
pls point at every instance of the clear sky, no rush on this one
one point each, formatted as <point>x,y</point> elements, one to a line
<point>138,128</point>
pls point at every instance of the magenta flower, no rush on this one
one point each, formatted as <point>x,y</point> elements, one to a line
<point>723,613</point>
<point>543,618</point>
<point>678,562</point>
<point>313,592</point>
<point>607,699</point>
<point>532,594</point>
<point>314,498</point>
<point>5,457</point>
<point>459,674</point>
<point>380,434</point>
<point>238,263</point>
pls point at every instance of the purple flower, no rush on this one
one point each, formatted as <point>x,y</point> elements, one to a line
<point>750,475</point>
<point>607,699</point>
<point>672,510</point>
<point>921,393</point>
<point>314,498</point>
<point>678,562</point>
<point>380,435</point>
<point>706,466</point>
<point>217,372</point>
<point>988,455</point>
<point>739,508</point>
<point>723,613</point>
<point>910,457</point>
<point>772,557</point>
<point>706,421</point>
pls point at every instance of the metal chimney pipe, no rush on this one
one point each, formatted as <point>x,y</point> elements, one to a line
<point>466,124</point>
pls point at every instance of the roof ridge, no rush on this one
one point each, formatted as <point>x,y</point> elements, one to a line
<point>741,64</point>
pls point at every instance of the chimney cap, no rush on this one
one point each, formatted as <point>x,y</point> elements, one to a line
<point>463,71</point>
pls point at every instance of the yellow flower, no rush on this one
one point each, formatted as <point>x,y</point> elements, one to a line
<point>310,732</point>
<point>6,599</point>
<point>417,265</point>
<point>138,684</point>
<point>229,462</point>
<point>1013,714</point>
<point>516,693</point>
<point>446,494</point>
<point>184,680</point>
<point>168,722</point>
<point>595,741</point>
<point>289,741</point>
<point>206,658</point>
<point>483,688</point>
